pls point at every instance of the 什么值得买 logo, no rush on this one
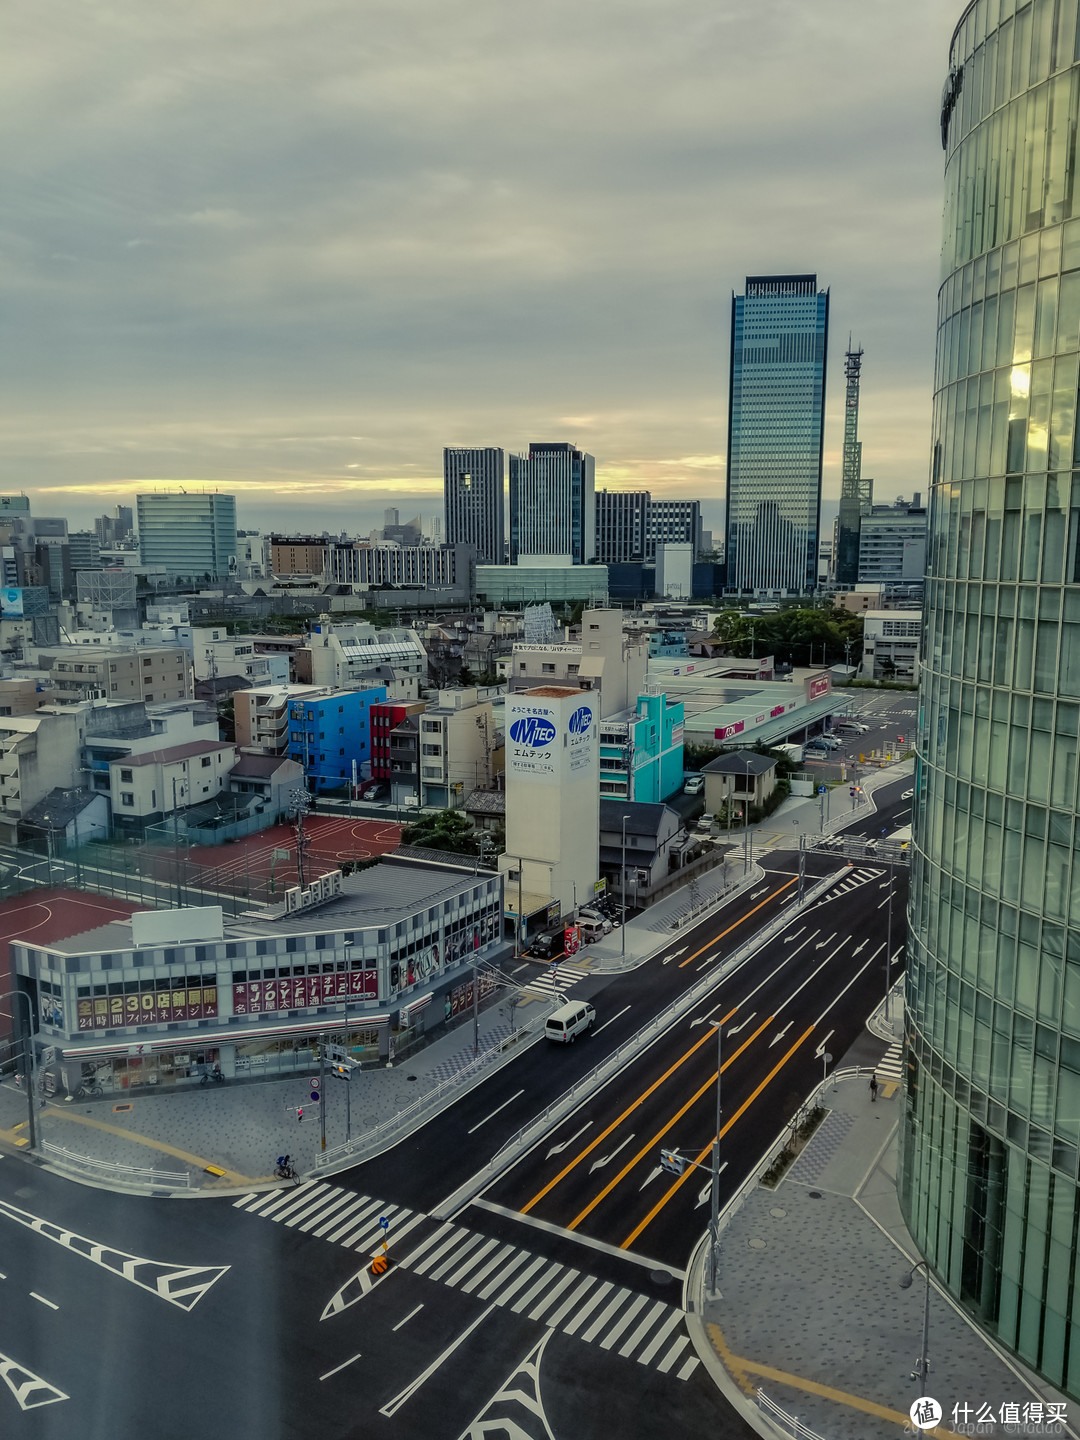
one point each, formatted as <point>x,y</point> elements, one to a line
<point>531,730</point>
<point>580,720</point>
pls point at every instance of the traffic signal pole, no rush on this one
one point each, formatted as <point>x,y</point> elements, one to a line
<point>714,1222</point>
<point>322,1093</point>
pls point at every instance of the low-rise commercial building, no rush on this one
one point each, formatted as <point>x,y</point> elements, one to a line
<point>891,640</point>
<point>330,736</point>
<point>606,660</point>
<point>352,657</point>
<point>369,961</point>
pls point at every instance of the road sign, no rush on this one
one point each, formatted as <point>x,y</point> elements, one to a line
<point>852,794</point>
<point>821,789</point>
<point>315,1097</point>
<point>314,1083</point>
<point>672,1161</point>
<point>899,739</point>
<point>384,1222</point>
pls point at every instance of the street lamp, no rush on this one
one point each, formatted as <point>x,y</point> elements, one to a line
<point>714,1221</point>
<point>923,1363</point>
<point>622,884</point>
<point>31,1113</point>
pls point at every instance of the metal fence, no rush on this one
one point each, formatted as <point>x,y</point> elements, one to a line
<point>139,1174</point>
<point>788,1424</point>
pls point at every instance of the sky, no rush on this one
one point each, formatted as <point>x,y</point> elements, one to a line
<point>291,250</point>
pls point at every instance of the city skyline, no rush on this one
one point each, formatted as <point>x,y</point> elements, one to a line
<point>287,321</point>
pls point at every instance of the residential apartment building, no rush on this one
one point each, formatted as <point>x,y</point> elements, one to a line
<point>145,788</point>
<point>641,753</point>
<point>117,730</point>
<point>354,657</point>
<point>188,534</point>
<point>151,673</point>
<point>553,503</point>
<point>473,499</point>
<point>330,736</point>
<point>385,717</point>
<point>892,544</point>
<point>457,745</point>
<point>38,753</point>
<point>261,715</point>
<point>776,430</point>
<point>428,567</point>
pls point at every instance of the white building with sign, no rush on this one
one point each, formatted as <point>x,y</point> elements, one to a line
<point>552,800</point>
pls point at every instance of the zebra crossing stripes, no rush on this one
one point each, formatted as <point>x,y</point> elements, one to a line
<point>853,881</point>
<point>599,1312</point>
<point>564,979</point>
<point>890,1066</point>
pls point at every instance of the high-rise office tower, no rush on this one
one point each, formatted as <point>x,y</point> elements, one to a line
<point>553,503</point>
<point>473,501</point>
<point>990,1131</point>
<point>673,522</point>
<point>621,524</point>
<point>187,532</point>
<point>776,427</point>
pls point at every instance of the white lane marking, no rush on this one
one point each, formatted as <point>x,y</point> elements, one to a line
<point>475,1281</point>
<point>709,960</point>
<point>789,938</point>
<point>848,986</point>
<point>688,1369</point>
<point>408,1317</point>
<point>337,1368</point>
<point>653,1348</point>
<point>810,977</point>
<point>496,1111</point>
<point>391,1408</point>
<point>861,946</point>
<point>35,1296</point>
<point>821,1048</point>
<point>562,1145</point>
<point>30,1390</point>
<point>674,1353</point>
<point>626,1319</point>
<point>734,1029</point>
<point>780,1034</point>
<point>651,1176</point>
<point>606,1023</point>
<point>617,1300</point>
<point>363,1212</point>
<point>2,1275</point>
<point>607,1159</point>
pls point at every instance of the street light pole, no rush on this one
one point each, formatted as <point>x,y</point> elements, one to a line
<point>923,1362</point>
<point>714,1222</point>
<point>888,945</point>
<point>622,884</point>
<point>29,1068</point>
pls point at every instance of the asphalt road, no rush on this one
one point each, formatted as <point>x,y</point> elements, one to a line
<point>122,1317</point>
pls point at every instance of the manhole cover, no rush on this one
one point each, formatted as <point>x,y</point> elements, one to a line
<point>410,1077</point>
<point>777,1213</point>
<point>756,1244</point>
<point>661,1277</point>
<point>815,1194</point>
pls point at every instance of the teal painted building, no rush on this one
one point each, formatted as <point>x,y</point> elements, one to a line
<point>641,751</point>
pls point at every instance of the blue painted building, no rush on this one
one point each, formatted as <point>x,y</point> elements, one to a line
<point>328,733</point>
<point>641,751</point>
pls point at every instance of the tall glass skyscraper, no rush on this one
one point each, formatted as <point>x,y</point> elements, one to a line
<point>776,429</point>
<point>553,503</point>
<point>990,1137</point>
<point>473,500</point>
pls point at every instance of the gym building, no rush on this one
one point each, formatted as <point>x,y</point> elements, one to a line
<point>169,996</point>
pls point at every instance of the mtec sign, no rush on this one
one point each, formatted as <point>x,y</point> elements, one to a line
<point>533,731</point>
<point>580,720</point>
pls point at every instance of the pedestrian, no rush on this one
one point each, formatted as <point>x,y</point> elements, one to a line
<point>873,1088</point>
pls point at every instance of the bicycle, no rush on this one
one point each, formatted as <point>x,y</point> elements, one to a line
<point>214,1075</point>
<point>284,1170</point>
<point>89,1090</point>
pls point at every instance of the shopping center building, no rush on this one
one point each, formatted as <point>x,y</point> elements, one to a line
<point>377,957</point>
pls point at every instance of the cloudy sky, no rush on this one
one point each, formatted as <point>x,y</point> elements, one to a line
<point>294,247</point>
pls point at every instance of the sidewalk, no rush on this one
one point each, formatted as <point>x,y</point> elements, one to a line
<point>241,1128</point>
<point>812,1312</point>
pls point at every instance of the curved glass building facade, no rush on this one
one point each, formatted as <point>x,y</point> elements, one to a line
<point>990,1137</point>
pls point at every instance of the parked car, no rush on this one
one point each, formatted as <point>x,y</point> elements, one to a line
<point>596,918</point>
<point>694,786</point>
<point>705,824</point>
<point>545,946</point>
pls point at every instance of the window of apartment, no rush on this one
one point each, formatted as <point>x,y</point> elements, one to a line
<point>147,660</point>
<point>125,776</point>
<point>149,697</point>
<point>432,772</point>
<point>547,669</point>
<point>206,762</point>
<point>432,749</point>
<point>127,798</point>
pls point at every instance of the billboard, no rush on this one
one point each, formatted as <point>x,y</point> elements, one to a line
<point>173,927</point>
<point>11,602</point>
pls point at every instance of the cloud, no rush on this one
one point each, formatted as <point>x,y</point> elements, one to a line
<point>237,232</point>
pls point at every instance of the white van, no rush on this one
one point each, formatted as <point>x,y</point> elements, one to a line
<point>595,918</point>
<point>592,930</point>
<point>569,1021</point>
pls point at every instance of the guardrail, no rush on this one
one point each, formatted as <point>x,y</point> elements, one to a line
<point>173,1180</point>
<point>789,1424</point>
<point>634,1046</point>
<point>425,1106</point>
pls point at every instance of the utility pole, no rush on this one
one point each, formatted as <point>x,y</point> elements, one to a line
<point>322,1093</point>
<point>714,1222</point>
<point>476,1008</point>
<point>888,946</point>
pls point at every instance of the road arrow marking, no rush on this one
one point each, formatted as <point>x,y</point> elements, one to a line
<point>821,1048</point>
<point>860,947</point>
<point>823,943</point>
<point>763,891</point>
<point>607,1159</point>
<point>564,1144</point>
<point>709,960</point>
<point>734,1029</point>
<point>777,1038</point>
<point>789,938</point>
<point>651,1176</point>
<point>706,1190</point>
<point>674,955</point>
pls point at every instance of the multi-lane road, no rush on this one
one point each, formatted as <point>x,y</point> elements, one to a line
<point>556,1275</point>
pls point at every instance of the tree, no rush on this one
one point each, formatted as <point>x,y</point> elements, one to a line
<point>447,830</point>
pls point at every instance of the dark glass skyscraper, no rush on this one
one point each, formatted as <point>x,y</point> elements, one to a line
<point>553,503</point>
<point>776,428</point>
<point>473,500</point>
<point>990,1137</point>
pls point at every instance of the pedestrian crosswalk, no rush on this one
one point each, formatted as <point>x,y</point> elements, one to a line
<point>853,881</point>
<point>891,1065</point>
<point>556,980</point>
<point>627,1322</point>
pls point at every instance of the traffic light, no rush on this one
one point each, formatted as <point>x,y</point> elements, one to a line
<point>300,1112</point>
<point>341,1071</point>
<point>672,1161</point>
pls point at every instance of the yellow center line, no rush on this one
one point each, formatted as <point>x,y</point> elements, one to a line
<point>651,1216</point>
<point>786,886</point>
<point>616,1123</point>
<point>650,1144</point>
